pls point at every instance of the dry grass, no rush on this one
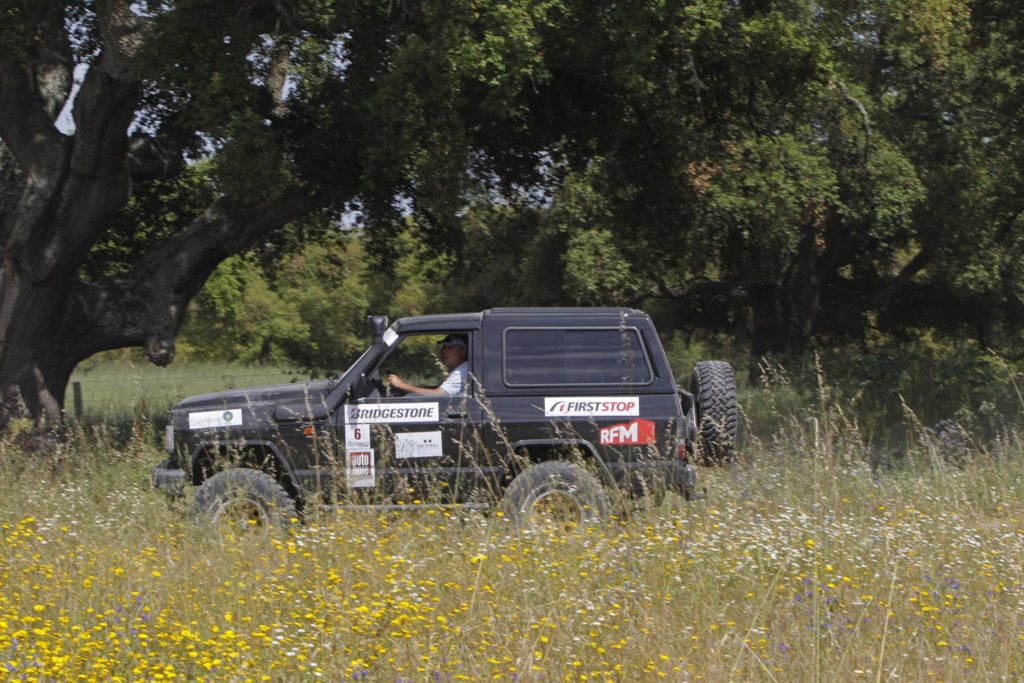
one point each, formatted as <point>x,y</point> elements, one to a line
<point>803,565</point>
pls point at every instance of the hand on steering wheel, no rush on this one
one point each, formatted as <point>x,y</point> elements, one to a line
<point>393,381</point>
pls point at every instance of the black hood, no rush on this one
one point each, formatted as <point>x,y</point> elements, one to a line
<point>312,393</point>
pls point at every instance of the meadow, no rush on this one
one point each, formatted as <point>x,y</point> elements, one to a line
<point>811,559</point>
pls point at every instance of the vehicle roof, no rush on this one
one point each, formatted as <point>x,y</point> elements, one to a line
<point>473,320</point>
<point>440,322</point>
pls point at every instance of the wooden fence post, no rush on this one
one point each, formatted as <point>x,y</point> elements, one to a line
<point>76,390</point>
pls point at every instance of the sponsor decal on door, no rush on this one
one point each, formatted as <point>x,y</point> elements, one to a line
<point>360,469</point>
<point>417,445</point>
<point>628,433</point>
<point>390,413</point>
<point>588,406</point>
<point>357,437</point>
<point>215,418</point>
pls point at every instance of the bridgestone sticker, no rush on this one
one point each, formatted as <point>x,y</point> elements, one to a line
<point>215,418</point>
<point>417,445</point>
<point>360,469</point>
<point>588,406</point>
<point>390,413</point>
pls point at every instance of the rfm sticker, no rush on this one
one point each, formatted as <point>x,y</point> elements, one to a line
<point>633,432</point>
<point>360,469</point>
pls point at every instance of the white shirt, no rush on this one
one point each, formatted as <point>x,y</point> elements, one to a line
<point>457,380</point>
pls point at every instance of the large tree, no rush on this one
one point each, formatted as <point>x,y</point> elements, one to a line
<point>294,107</point>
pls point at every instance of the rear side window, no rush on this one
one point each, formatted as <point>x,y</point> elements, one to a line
<point>557,356</point>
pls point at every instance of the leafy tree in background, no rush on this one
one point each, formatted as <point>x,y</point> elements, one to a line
<point>800,170</point>
<point>299,108</point>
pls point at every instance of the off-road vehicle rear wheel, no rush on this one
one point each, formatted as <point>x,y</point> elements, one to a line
<point>714,391</point>
<point>556,494</point>
<point>243,498</point>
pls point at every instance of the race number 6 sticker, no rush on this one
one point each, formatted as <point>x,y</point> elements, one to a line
<point>357,437</point>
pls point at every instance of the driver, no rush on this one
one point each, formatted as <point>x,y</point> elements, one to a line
<point>454,352</point>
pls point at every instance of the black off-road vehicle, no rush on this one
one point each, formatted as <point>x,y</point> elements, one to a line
<point>572,410</point>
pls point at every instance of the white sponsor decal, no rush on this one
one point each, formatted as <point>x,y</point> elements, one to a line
<point>215,418</point>
<point>417,445</point>
<point>390,413</point>
<point>360,469</point>
<point>589,406</point>
<point>357,437</point>
<point>390,336</point>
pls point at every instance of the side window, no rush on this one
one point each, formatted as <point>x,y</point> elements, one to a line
<point>427,360</point>
<point>553,356</point>
<point>415,358</point>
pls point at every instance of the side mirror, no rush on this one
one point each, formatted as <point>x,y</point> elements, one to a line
<point>360,387</point>
<point>378,324</point>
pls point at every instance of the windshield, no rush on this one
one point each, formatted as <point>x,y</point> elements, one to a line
<point>333,382</point>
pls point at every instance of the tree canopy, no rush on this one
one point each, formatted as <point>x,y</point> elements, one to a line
<point>792,171</point>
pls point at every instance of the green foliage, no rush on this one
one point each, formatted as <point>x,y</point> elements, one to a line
<point>157,210</point>
<point>795,174</point>
<point>310,312</point>
<point>325,285</point>
<point>767,192</point>
<point>596,272</point>
<point>238,316</point>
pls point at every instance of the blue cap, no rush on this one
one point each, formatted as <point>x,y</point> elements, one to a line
<point>454,340</point>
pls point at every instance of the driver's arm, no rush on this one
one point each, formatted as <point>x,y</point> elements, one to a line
<point>398,383</point>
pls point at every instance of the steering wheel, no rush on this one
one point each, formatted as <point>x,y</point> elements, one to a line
<point>375,387</point>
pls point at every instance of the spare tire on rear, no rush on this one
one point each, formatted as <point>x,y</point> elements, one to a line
<point>714,392</point>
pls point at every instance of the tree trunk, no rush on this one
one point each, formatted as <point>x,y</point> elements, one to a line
<point>37,356</point>
<point>784,313</point>
<point>58,195</point>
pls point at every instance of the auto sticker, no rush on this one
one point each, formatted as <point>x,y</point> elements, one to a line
<point>360,469</point>
<point>633,432</point>
<point>589,406</point>
<point>215,418</point>
<point>390,413</point>
<point>417,445</point>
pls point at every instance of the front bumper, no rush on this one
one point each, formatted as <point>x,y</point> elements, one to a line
<point>169,479</point>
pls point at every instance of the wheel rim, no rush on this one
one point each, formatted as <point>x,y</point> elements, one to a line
<point>557,509</point>
<point>241,514</point>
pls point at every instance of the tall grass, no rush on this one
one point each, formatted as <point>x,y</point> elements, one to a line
<point>806,562</point>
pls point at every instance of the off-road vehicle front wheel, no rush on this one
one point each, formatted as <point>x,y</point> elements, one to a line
<point>243,498</point>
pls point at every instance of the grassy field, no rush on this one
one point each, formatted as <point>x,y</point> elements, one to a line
<point>804,564</point>
<point>122,389</point>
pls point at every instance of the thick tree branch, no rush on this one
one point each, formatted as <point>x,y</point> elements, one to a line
<point>61,218</point>
<point>35,81</point>
<point>146,307</point>
<point>12,184</point>
<point>109,94</point>
<point>25,126</point>
<point>52,62</point>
